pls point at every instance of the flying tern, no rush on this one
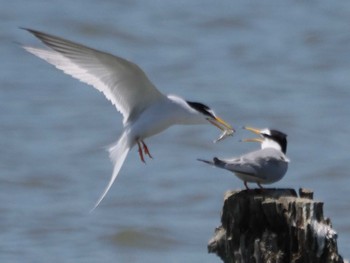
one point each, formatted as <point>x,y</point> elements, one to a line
<point>146,111</point>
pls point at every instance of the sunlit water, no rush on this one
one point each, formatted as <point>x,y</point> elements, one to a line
<point>264,63</point>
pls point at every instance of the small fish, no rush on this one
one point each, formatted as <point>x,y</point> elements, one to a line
<point>225,134</point>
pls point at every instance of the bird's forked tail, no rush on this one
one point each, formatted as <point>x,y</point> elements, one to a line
<point>117,153</point>
<point>206,161</point>
<point>215,162</point>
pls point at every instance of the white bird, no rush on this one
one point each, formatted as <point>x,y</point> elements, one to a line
<point>146,111</point>
<point>264,166</point>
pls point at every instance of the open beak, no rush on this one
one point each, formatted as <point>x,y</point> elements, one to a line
<point>254,130</point>
<point>253,140</point>
<point>221,124</point>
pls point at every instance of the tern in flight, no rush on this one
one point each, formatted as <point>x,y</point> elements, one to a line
<point>146,111</point>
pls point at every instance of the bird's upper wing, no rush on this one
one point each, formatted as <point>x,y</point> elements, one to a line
<point>241,165</point>
<point>121,81</point>
<point>252,163</point>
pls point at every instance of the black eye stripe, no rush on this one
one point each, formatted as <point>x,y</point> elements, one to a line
<point>266,135</point>
<point>279,137</point>
<point>200,107</point>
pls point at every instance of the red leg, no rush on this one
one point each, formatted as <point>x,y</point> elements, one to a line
<point>246,186</point>
<point>140,152</point>
<point>145,149</point>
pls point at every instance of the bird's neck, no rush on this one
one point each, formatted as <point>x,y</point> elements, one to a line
<point>271,144</point>
<point>183,113</point>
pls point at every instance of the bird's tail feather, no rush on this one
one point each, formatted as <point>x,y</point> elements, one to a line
<point>117,154</point>
<point>206,161</point>
<point>215,162</point>
<point>218,162</point>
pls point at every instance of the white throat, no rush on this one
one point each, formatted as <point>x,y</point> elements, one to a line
<point>268,143</point>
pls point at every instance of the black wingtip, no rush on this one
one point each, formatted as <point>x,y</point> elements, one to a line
<point>205,161</point>
<point>26,29</point>
<point>217,161</point>
<point>32,31</point>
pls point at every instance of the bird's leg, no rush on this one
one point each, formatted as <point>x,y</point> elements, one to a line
<point>260,186</point>
<point>145,149</point>
<point>140,152</point>
<point>246,186</point>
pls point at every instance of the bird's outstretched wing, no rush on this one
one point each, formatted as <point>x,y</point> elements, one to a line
<point>121,81</point>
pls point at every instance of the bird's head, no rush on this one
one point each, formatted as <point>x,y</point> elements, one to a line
<point>269,138</point>
<point>210,116</point>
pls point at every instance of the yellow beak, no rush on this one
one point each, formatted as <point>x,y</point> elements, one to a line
<point>253,140</point>
<point>256,131</point>
<point>221,124</point>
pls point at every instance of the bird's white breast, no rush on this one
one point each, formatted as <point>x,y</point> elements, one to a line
<point>160,116</point>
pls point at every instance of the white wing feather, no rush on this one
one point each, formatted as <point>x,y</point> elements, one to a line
<point>121,81</point>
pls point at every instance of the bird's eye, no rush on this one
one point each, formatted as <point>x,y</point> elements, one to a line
<point>266,135</point>
<point>202,108</point>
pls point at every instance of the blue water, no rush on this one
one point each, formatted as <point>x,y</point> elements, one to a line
<point>264,63</point>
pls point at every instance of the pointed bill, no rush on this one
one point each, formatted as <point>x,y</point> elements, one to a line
<point>256,131</point>
<point>227,129</point>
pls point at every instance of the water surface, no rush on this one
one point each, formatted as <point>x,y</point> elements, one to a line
<point>265,64</point>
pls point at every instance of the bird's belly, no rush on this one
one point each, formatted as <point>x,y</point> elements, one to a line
<point>161,116</point>
<point>277,173</point>
<point>250,178</point>
<point>147,127</point>
<point>266,175</point>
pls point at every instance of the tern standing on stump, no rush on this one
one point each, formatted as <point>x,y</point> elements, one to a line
<point>146,111</point>
<point>265,166</point>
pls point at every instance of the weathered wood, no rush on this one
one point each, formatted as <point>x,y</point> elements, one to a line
<point>274,225</point>
<point>306,193</point>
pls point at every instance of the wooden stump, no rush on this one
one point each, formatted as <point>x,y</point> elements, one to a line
<point>274,225</point>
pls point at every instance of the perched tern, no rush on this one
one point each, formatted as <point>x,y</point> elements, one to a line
<point>146,111</point>
<point>264,166</point>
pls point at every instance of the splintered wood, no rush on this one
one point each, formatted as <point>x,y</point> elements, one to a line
<point>274,225</point>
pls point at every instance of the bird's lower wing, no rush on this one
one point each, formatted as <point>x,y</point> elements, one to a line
<point>247,169</point>
<point>240,165</point>
<point>117,153</point>
<point>121,81</point>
